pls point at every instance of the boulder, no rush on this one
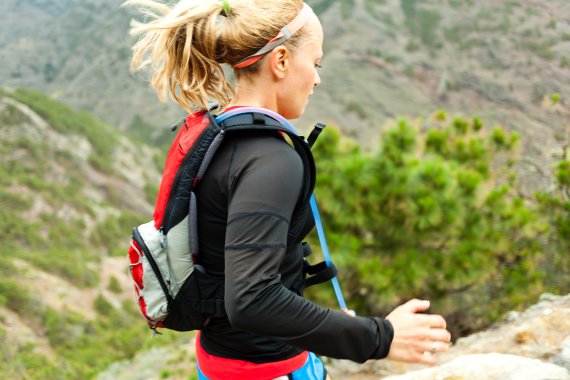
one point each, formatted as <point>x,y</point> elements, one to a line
<point>492,366</point>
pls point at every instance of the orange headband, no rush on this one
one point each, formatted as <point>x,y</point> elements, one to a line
<point>286,32</point>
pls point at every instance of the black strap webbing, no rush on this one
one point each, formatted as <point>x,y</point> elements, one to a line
<point>213,307</point>
<point>320,273</point>
<point>317,129</point>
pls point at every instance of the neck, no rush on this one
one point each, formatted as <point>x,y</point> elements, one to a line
<point>251,93</point>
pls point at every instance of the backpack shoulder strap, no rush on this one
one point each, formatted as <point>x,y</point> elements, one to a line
<point>188,171</point>
<point>259,119</point>
<point>200,154</point>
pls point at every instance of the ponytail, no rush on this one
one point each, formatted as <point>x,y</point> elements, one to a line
<point>186,45</point>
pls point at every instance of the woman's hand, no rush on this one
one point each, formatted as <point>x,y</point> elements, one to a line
<point>417,337</point>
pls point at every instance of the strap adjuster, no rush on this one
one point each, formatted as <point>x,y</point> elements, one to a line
<point>320,272</point>
<point>258,118</point>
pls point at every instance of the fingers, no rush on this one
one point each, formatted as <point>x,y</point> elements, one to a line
<point>426,358</point>
<point>425,351</point>
<point>432,320</point>
<point>439,335</point>
<point>415,306</point>
<point>417,337</point>
<point>421,351</point>
<point>429,334</point>
<point>431,346</point>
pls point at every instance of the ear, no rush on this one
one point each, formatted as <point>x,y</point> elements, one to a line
<point>279,60</point>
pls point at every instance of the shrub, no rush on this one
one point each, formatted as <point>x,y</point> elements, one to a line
<point>114,231</point>
<point>69,263</point>
<point>11,115</point>
<point>114,285</point>
<point>102,306</point>
<point>428,216</point>
<point>556,205</point>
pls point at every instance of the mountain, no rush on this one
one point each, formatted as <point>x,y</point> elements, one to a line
<point>383,59</point>
<point>70,188</point>
<point>77,51</point>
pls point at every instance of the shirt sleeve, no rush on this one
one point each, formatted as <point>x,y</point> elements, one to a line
<point>263,191</point>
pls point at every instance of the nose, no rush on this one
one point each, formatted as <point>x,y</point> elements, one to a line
<point>317,79</point>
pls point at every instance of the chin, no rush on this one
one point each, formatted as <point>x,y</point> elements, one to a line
<point>294,114</point>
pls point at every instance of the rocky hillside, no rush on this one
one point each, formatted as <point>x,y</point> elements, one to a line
<point>496,59</point>
<point>70,188</point>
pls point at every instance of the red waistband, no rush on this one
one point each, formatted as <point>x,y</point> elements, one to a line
<point>216,368</point>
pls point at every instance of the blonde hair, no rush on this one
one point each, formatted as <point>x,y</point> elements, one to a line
<point>187,44</point>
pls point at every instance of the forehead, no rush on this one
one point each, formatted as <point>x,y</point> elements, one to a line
<point>313,35</point>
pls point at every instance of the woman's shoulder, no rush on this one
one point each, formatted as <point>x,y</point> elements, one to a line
<point>264,155</point>
<point>268,145</point>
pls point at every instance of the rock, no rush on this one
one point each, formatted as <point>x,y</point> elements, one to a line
<point>563,358</point>
<point>540,332</point>
<point>548,297</point>
<point>148,366</point>
<point>489,367</point>
<point>512,316</point>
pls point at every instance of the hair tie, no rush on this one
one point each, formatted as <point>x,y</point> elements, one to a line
<point>226,9</point>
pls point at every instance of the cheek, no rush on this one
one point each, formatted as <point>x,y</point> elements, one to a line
<point>305,74</point>
<point>310,76</point>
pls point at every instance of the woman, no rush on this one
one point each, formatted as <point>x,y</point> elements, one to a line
<point>250,191</point>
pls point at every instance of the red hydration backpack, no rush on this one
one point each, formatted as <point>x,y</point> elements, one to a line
<point>173,290</point>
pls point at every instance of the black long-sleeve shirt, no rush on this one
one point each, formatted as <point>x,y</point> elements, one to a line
<point>245,204</point>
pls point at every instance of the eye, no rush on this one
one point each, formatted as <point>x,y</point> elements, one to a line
<point>318,66</point>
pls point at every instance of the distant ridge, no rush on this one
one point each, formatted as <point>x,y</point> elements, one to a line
<point>383,59</point>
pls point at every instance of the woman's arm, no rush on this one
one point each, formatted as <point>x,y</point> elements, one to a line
<point>262,197</point>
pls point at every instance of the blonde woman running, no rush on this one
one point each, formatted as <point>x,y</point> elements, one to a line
<point>250,191</point>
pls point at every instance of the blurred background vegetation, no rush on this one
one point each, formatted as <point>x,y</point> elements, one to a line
<point>444,172</point>
<point>436,213</point>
